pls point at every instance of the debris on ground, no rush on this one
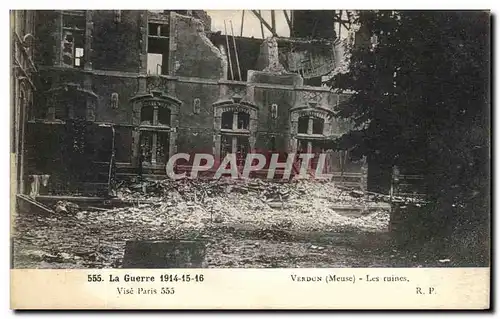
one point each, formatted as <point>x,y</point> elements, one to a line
<point>250,223</point>
<point>66,207</point>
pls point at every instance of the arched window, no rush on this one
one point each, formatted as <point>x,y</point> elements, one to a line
<point>235,129</point>
<point>69,101</point>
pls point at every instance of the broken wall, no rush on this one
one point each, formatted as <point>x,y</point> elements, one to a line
<point>248,52</point>
<point>312,59</point>
<point>192,53</point>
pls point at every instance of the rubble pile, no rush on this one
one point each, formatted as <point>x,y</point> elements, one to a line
<point>250,223</point>
<point>301,205</point>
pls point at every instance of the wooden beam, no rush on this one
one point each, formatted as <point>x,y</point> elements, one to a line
<point>288,20</point>
<point>273,21</point>
<point>257,14</point>
<point>349,19</point>
<point>242,20</point>
<point>340,25</point>
<point>340,20</point>
<point>261,28</point>
<point>228,52</point>
<point>235,51</point>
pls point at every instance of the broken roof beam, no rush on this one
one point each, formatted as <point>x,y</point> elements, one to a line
<point>261,28</point>
<point>306,41</point>
<point>288,21</point>
<point>270,28</point>
<point>242,22</point>
<point>345,23</point>
<point>273,21</point>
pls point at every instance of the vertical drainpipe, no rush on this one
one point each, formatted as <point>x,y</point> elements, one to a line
<point>89,29</point>
<point>87,84</point>
<point>112,160</point>
<point>143,42</point>
<point>171,83</point>
<point>141,83</point>
<point>172,46</point>
<point>57,36</point>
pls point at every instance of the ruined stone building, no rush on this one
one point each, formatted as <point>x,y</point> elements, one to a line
<point>113,94</point>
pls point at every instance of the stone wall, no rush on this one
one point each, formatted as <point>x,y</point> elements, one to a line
<point>116,45</point>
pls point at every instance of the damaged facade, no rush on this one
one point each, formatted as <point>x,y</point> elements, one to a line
<point>119,92</point>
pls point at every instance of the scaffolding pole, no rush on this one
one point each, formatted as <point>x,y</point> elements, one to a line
<point>258,14</point>
<point>273,21</point>
<point>242,21</point>
<point>235,51</point>
<point>228,52</point>
<point>287,18</point>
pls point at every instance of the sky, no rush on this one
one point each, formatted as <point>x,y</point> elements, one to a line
<point>251,24</point>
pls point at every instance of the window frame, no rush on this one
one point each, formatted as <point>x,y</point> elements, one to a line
<point>78,62</point>
<point>155,128</point>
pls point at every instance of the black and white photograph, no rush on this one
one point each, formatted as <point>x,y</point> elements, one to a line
<point>161,139</point>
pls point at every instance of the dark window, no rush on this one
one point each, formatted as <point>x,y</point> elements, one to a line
<point>227,120</point>
<point>303,124</point>
<point>74,22</point>
<point>318,125</point>
<point>243,120</point>
<point>147,115</point>
<point>157,29</point>
<point>163,116</point>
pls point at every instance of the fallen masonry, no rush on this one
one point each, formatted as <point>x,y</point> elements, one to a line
<point>235,223</point>
<point>299,205</point>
